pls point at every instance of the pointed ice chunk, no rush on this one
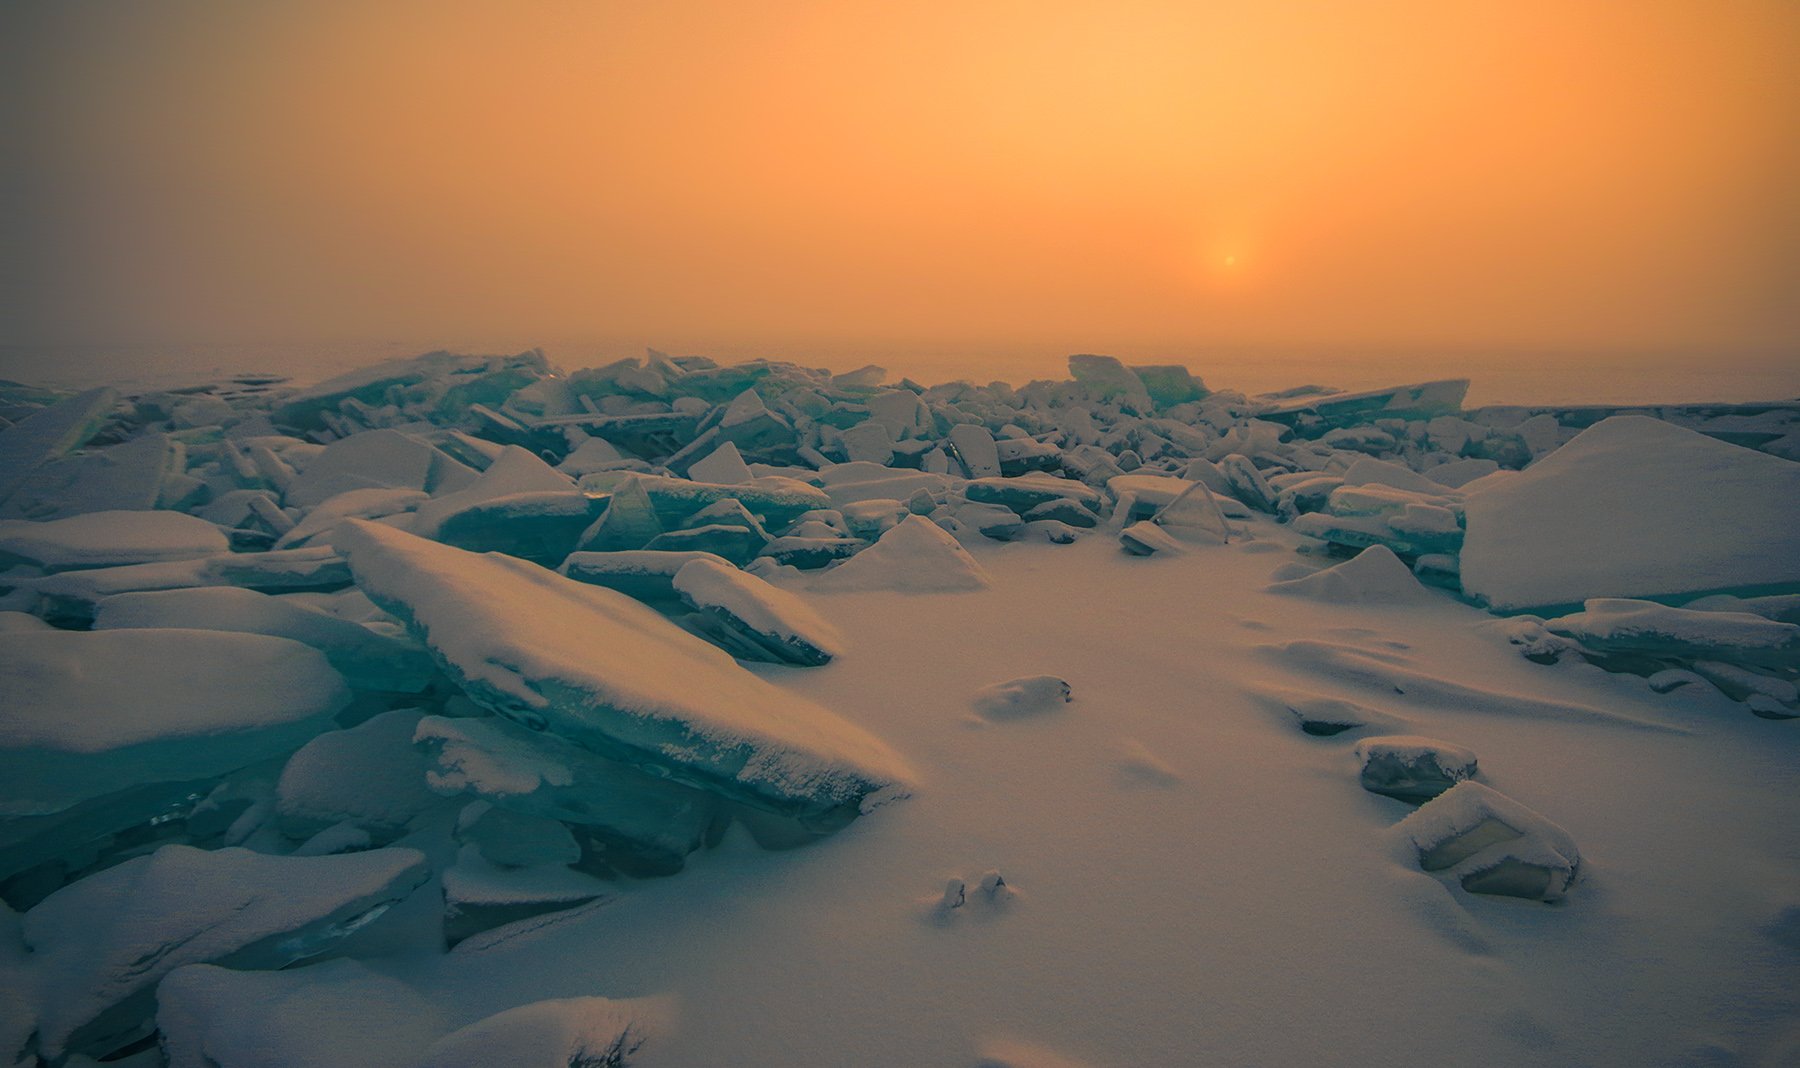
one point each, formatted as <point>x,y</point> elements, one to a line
<point>628,524</point>
<point>87,714</point>
<point>916,556</point>
<point>723,466</point>
<point>102,944</point>
<point>516,471</point>
<point>542,526</point>
<point>1373,576</point>
<point>754,620</point>
<point>602,670</point>
<point>109,539</point>
<point>1195,517</point>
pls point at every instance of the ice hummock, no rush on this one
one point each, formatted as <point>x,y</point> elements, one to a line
<point>601,670</point>
<point>1633,507</point>
<point>916,556</point>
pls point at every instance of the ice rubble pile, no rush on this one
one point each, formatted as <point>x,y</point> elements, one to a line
<point>274,659</point>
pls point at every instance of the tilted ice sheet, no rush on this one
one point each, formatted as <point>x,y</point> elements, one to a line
<point>602,670</point>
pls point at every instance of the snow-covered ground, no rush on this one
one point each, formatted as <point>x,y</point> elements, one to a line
<point>447,715</point>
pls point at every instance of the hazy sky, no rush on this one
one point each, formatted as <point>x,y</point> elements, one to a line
<point>1560,174</point>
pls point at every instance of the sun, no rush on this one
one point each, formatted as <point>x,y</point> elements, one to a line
<point>1230,262</point>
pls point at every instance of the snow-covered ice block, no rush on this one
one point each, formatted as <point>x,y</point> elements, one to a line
<point>1323,717</point>
<point>1412,768</point>
<point>102,944</point>
<point>754,620</point>
<point>1022,493</point>
<point>74,596</point>
<point>975,445</point>
<point>1194,516</point>
<point>647,824</point>
<point>369,775</point>
<point>1107,379</point>
<point>644,574</point>
<point>571,1032</point>
<point>480,895</point>
<point>1147,538</point>
<point>1633,507</point>
<point>1367,471</point>
<point>338,1014</point>
<point>367,659</point>
<point>916,556</point>
<point>600,669</point>
<point>775,500</point>
<point>1373,576</point>
<point>1491,844</point>
<point>110,539</point>
<point>1027,696</point>
<point>88,714</point>
<point>1619,625</point>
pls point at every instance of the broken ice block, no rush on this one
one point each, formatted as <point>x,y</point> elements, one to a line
<point>1412,768</point>
<point>1491,844</point>
<point>373,459</point>
<point>88,714</point>
<point>516,471</point>
<point>128,477</point>
<point>648,825</point>
<point>1312,415</point>
<point>753,620</point>
<point>513,839</point>
<point>598,668</point>
<point>1147,539</point>
<point>101,944</point>
<point>975,447</point>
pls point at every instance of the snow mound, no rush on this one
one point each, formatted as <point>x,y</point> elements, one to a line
<point>566,1031</point>
<point>1373,576</point>
<point>601,670</point>
<point>1633,507</point>
<point>1022,697</point>
<point>916,556</point>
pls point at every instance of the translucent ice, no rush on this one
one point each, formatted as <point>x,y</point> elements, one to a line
<point>1491,844</point>
<point>1412,768</point>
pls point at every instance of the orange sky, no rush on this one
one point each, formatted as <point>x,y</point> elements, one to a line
<point>1093,176</point>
